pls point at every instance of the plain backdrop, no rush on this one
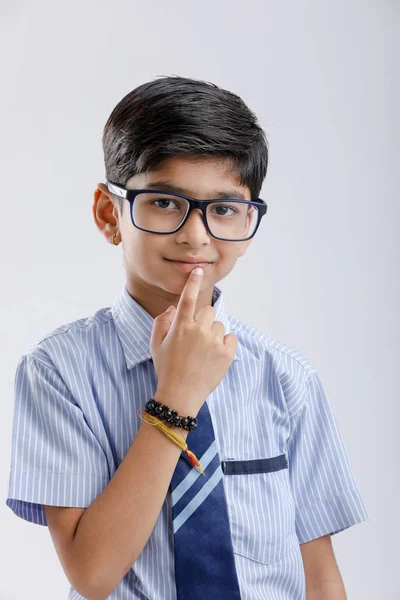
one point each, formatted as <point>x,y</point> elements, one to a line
<point>322,274</point>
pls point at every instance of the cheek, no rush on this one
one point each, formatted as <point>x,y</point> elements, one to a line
<point>143,252</point>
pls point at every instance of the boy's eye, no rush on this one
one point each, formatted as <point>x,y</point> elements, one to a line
<point>163,201</point>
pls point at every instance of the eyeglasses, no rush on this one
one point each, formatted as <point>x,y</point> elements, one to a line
<point>162,212</point>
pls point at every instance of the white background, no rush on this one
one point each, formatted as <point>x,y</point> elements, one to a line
<point>321,274</point>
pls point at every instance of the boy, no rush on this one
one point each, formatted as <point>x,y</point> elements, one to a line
<point>129,515</point>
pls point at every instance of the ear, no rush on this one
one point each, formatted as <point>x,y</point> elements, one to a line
<point>105,213</point>
<point>102,186</point>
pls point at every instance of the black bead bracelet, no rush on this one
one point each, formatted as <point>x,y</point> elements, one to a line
<point>164,413</point>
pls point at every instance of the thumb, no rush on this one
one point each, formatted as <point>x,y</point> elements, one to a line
<point>162,325</point>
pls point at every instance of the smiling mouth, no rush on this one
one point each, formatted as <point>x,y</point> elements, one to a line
<point>187,267</point>
<point>206,262</point>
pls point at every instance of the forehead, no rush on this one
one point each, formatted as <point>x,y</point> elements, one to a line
<point>193,176</point>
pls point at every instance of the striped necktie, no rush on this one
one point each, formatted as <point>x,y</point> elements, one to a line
<point>203,553</point>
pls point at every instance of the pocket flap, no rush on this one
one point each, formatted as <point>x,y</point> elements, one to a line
<point>258,465</point>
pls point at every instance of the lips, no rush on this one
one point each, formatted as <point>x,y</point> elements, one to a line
<point>187,267</point>
<point>194,261</point>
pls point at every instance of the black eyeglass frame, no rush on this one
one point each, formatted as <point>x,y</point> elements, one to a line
<point>130,195</point>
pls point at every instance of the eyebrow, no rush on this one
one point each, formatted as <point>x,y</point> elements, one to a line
<point>166,186</point>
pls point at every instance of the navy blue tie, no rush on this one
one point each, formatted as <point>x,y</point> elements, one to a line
<point>204,561</point>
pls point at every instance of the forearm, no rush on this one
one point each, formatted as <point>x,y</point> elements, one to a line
<point>115,528</point>
<point>328,586</point>
<point>323,579</point>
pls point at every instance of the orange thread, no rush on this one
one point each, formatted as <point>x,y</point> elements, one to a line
<point>173,436</point>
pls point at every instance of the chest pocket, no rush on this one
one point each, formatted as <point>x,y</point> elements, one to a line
<point>260,509</point>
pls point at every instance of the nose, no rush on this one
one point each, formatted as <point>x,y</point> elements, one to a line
<point>194,230</point>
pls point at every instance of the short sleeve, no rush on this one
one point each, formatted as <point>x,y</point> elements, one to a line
<point>324,487</point>
<point>55,457</point>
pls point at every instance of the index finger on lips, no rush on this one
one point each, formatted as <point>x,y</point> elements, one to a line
<point>187,301</point>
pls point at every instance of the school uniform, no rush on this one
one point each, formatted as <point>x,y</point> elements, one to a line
<point>286,474</point>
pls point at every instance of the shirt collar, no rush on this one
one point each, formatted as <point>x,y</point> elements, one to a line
<point>134,325</point>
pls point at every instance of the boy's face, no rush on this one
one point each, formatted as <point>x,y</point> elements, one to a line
<point>151,279</point>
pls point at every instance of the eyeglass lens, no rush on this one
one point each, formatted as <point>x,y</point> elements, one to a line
<point>163,213</point>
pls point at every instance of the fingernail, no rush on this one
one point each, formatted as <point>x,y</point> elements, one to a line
<point>198,271</point>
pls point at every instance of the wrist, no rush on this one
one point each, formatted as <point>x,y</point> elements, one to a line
<point>183,433</point>
<point>184,406</point>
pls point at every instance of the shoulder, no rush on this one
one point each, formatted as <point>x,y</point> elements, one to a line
<point>71,337</point>
<point>260,344</point>
<point>286,367</point>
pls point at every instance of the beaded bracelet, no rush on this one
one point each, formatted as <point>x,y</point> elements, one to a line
<point>164,413</point>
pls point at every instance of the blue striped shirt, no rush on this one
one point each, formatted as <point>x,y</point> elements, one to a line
<point>77,391</point>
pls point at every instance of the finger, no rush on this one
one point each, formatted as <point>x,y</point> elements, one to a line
<point>161,327</point>
<point>187,301</point>
<point>206,315</point>
<point>231,342</point>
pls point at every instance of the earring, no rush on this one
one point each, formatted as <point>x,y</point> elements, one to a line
<point>113,238</point>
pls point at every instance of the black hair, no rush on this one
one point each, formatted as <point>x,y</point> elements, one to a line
<point>176,115</point>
